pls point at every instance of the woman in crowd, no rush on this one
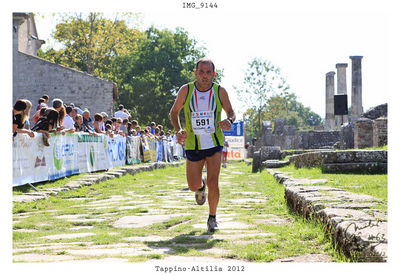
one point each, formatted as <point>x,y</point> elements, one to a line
<point>98,118</point>
<point>46,124</point>
<point>25,114</point>
<point>18,123</point>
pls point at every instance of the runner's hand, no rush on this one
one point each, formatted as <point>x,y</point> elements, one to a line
<point>225,124</point>
<point>182,136</point>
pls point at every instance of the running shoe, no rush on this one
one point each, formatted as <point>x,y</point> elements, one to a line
<point>201,194</point>
<point>212,224</point>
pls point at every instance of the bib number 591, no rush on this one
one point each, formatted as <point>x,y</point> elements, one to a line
<point>202,122</point>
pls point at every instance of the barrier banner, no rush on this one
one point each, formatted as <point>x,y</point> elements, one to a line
<point>92,153</point>
<point>66,155</point>
<point>133,150</point>
<point>116,150</point>
<point>63,159</point>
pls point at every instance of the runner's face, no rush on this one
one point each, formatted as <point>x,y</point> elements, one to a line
<point>204,74</point>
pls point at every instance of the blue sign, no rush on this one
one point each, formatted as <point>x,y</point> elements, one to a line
<point>236,131</point>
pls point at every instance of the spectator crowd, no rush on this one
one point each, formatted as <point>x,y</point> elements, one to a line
<point>61,119</point>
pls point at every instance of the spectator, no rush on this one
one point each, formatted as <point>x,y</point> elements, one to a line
<point>25,114</point>
<point>124,126</point>
<point>138,130</point>
<point>58,105</point>
<point>102,123</point>
<point>134,124</point>
<point>81,127</point>
<point>46,124</point>
<point>109,129</point>
<point>37,114</point>
<point>40,102</point>
<point>68,121</point>
<point>118,125</point>
<point>87,121</point>
<point>46,99</point>
<point>152,127</point>
<point>18,124</point>
<point>79,110</point>
<point>122,113</point>
<point>98,118</point>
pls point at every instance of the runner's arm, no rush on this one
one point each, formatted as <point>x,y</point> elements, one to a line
<point>176,108</point>
<point>226,124</point>
<point>174,113</point>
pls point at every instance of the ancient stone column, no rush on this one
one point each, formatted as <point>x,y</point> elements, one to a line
<point>329,93</point>
<point>356,88</point>
<point>341,88</point>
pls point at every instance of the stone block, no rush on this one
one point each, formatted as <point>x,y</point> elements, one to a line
<point>270,152</point>
<point>355,167</point>
<point>380,132</point>
<point>363,133</point>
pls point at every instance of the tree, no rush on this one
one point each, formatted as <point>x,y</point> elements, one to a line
<point>262,80</point>
<point>90,42</point>
<point>149,78</point>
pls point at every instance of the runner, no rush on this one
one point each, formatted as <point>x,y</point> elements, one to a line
<point>203,101</point>
<point>225,153</point>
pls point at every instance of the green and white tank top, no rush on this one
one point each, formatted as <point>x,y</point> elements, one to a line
<point>202,112</point>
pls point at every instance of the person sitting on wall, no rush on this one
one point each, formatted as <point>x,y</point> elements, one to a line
<point>18,124</point>
<point>47,124</point>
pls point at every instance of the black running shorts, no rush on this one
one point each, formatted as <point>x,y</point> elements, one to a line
<point>196,155</point>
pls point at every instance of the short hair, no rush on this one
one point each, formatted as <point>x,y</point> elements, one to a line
<point>125,120</point>
<point>134,122</point>
<point>42,111</point>
<point>119,120</point>
<point>205,60</point>
<point>45,96</point>
<point>98,117</point>
<point>108,122</point>
<point>41,100</point>
<point>68,109</point>
<point>153,124</point>
<point>20,105</point>
<point>57,103</point>
<point>113,119</point>
<point>77,116</point>
<point>120,107</point>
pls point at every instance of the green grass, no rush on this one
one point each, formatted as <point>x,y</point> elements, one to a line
<point>295,237</point>
<point>373,185</point>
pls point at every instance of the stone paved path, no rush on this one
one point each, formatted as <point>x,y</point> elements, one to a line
<point>152,217</point>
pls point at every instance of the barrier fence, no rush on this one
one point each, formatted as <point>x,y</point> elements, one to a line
<point>77,153</point>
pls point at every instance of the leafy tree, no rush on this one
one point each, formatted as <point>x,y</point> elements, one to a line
<point>90,42</point>
<point>149,78</point>
<point>262,80</point>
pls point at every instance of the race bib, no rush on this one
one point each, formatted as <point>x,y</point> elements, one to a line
<point>203,123</point>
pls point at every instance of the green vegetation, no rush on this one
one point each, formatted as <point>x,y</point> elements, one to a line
<point>164,191</point>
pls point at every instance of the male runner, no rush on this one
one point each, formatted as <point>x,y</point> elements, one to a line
<point>203,102</point>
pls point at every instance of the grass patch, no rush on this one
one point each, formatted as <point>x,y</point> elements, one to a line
<point>373,185</point>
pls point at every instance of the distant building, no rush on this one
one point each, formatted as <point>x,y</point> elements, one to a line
<point>34,76</point>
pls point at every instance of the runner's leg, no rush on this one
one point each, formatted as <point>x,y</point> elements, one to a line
<point>194,173</point>
<point>214,165</point>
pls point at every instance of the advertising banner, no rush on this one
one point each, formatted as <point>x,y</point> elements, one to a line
<point>235,139</point>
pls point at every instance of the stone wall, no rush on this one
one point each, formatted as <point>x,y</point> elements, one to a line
<point>375,112</point>
<point>33,77</point>
<point>347,136</point>
<point>316,139</point>
<point>354,161</point>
